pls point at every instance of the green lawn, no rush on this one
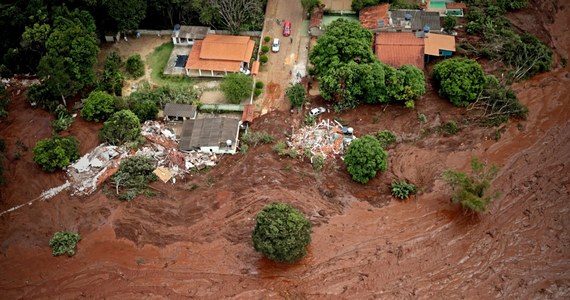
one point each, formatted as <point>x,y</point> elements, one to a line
<point>157,61</point>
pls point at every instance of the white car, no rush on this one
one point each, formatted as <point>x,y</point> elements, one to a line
<point>317,111</point>
<point>276,45</point>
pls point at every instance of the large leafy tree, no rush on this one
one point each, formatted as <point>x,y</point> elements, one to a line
<point>296,94</point>
<point>236,87</point>
<point>365,157</point>
<point>281,233</point>
<point>56,153</point>
<point>343,42</point>
<point>231,14</point>
<point>122,127</point>
<point>98,107</point>
<point>127,13</point>
<point>71,53</point>
<point>459,79</point>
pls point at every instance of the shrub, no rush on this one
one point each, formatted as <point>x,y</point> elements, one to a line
<point>252,138</point>
<point>98,107</point>
<point>257,92</point>
<point>296,94</point>
<point>264,49</point>
<point>365,157</point>
<point>318,162</point>
<point>471,190</point>
<point>449,23</point>
<point>310,120</point>
<point>133,177</point>
<point>263,59</point>
<point>281,233</point>
<point>266,39</point>
<point>63,120</point>
<point>123,126</point>
<point>450,127</point>
<point>56,152</point>
<point>459,79</point>
<point>145,110</point>
<point>112,79</point>
<point>135,66</point>
<point>402,189</point>
<point>4,99</point>
<point>236,87</point>
<point>385,137</point>
<point>64,242</point>
<point>281,149</point>
<point>259,85</point>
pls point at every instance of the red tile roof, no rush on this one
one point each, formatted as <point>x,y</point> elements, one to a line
<point>248,113</point>
<point>455,5</point>
<point>316,17</point>
<point>370,16</point>
<point>220,53</point>
<point>400,48</point>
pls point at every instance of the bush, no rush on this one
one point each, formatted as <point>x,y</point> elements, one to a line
<point>449,23</point>
<point>236,87</point>
<point>112,78</point>
<point>281,149</point>
<point>296,94</point>
<point>63,120</point>
<point>365,157</point>
<point>64,242</point>
<point>402,189</point>
<point>263,59</point>
<point>281,233</point>
<point>259,85</point>
<point>471,190</point>
<point>135,66</point>
<point>123,126</point>
<point>4,100</point>
<point>264,49</point>
<point>318,162</point>
<point>56,152</point>
<point>310,120</point>
<point>133,177</point>
<point>257,92</point>
<point>459,79</point>
<point>450,127</point>
<point>266,39</point>
<point>145,110</point>
<point>252,138</point>
<point>385,137</point>
<point>98,107</point>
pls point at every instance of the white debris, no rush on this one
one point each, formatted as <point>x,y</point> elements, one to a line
<point>54,191</point>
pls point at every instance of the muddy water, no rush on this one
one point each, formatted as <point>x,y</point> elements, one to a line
<point>193,240</point>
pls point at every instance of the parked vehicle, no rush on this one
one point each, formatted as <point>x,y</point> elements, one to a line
<point>287,29</point>
<point>317,111</point>
<point>276,45</point>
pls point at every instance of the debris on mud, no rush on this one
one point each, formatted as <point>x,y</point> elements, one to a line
<point>327,138</point>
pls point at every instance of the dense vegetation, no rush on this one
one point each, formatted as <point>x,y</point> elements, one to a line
<point>296,94</point>
<point>236,87</point>
<point>122,127</point>
<point>4,100</point>
<point>56,152</point>
<point>471,190</point>
<point>99,106</point>
<point>350,74</point>
<point>281,233</point>
<point>64,242</point>
<point>135,66</point>
<point>133,177</point>
<point>365,157</point>
<point>402,189</point>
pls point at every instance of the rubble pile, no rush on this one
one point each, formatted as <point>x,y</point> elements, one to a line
<point>94,168</point>
<point>327,138</point>
<point>156,132</point>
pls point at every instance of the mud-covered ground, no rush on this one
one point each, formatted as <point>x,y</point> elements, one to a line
<point>193,239</point>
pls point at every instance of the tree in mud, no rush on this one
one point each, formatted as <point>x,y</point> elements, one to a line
<point>56,152</point>
<point>64,242</point>
<point>296,94</point>
<point>133,177</point>
<point>281,233</point>
<point>365,157</point>
<point>471,190</point>
<point>99,106</point>
<point>461,80</point>
<point>122,127</point>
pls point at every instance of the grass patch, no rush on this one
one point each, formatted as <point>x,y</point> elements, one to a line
<point>157,61</point>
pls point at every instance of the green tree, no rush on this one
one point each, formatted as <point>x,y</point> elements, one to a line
<point>365,157</point>
<point>236,87</point>
<point>343,42</point>
<point>413,83</point>
<point>471,190</point>
<point>385,137</point>
<point>527,55</point>
<point>99,106</point>
<point>135,66</point>
<point>4,100</point>
<point>112,79</point>
<point>449,23</point>
<point>133,177</point>
<point>122,127</point>
<point>357,5</point>
<point>64,242</point>
<point>281,233</point>
<point>127,13</point>
<point>296,94</point>
<point>459,79</point>
<point>56,152</point>
<point>309,5</point>
<point>145,110</point>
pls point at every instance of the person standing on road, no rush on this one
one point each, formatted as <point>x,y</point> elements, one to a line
<point>291,40</point>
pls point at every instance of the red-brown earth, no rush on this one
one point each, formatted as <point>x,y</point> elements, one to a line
<point>193,239</point>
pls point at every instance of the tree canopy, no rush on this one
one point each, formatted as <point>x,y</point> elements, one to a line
<point>365,157</point>
<point>281,233</point>
<point>99,106</point>
<point>461,80</point>
<point>56,152</point>
<point>296,94</point>
<point>122,127</point>
<point>127,13</point>
<point>236,87</point>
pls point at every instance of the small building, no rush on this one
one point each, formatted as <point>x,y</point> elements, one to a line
<point>375,17</point>
<point>439,45</point>
<point>187,35</point>
<point>248,114</point>
<point>218,55</point>
<point>210,135</point>
<point>399,48</point>
<point>315,28</point>
<point>414,20</point>
<point>179,112</point>
<point>456,9</point>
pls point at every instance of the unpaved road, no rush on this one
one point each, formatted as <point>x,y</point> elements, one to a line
<point>193,240</point>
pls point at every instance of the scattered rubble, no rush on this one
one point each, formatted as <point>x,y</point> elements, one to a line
<point>157,132</point>
<point>327,138</point>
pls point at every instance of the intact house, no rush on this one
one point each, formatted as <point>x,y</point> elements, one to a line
<point>456,9</point>
<point>218,55</point>
<point>179,112</point>
<point>379,18</point>
<point>412,48</point>
<point>187,35</point>
<point>210,135</point>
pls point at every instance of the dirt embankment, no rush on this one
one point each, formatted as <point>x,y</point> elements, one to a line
<point>193,240</point>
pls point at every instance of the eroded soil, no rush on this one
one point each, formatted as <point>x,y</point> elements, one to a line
<point>193,239</point>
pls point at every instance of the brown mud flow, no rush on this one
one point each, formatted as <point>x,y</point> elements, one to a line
<point>193,240</point>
